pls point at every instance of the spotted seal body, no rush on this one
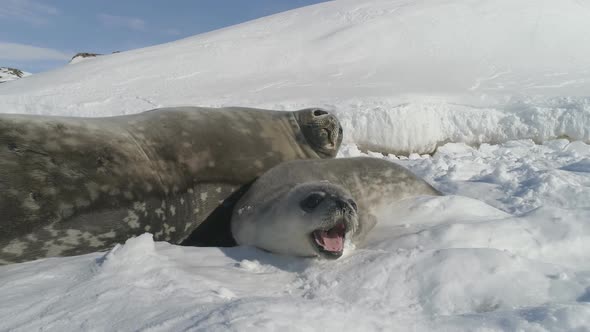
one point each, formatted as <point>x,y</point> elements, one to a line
<point>76,185</point>
<point>312,207</point>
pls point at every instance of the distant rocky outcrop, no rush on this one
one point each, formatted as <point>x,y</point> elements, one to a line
<point>11,74</point>
<point>85,55</point>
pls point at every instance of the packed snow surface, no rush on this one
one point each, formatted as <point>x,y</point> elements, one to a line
<point>497,86</point>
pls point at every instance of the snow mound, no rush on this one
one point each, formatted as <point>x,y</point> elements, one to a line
<point>405,76</point>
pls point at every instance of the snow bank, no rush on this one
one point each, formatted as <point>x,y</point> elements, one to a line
<point>423,127</point>
<point>405,76</point>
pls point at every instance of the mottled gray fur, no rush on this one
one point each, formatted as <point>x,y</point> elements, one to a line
<point>76,185</point>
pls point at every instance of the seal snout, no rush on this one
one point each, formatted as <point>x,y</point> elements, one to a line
<point>322,131</point>
<point>330,126</point>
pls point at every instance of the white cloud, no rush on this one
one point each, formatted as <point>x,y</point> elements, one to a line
<point>21,52</point>
<point>114,21</point>
<point>27,10</point>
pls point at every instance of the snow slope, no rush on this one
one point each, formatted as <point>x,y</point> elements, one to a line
<point>508,247</point>
<point>469,71</point>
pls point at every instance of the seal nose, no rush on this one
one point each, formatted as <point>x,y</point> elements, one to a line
<point>330,125</point>
<point>346,204</point>
<point>321,129</point>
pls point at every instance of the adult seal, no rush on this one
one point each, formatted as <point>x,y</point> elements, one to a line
<point>313,207</point>
<point>70,186</point>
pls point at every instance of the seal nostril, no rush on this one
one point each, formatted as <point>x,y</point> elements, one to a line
<point>346,204</point>
<point>353,205</point>
<point>319,112</point>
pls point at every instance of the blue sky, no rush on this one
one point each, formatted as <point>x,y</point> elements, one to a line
<point>37,35</point>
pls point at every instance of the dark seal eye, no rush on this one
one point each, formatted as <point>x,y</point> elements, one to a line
<point>312,201</point>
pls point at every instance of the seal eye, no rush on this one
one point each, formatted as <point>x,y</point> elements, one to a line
<point>312,201</point>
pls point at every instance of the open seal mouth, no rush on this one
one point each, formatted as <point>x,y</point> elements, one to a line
<point>330,243</point>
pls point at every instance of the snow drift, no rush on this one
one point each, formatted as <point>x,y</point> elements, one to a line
<point>410,75</point>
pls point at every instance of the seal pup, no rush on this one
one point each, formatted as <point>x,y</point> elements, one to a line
<point>312,207</point>
<point>71,186</point>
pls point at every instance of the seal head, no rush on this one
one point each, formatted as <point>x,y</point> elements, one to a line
<point>309,207</point>
<point>311,219</point>
<point>321,129</point>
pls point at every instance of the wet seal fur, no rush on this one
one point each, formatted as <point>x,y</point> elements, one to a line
<point>71,186</point>
<point>312,207</point>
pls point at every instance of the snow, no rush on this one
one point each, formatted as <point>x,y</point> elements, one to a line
<point>496,92</point>
<point>408,74</point>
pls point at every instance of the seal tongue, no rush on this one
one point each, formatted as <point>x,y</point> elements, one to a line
<point>332,239</point>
